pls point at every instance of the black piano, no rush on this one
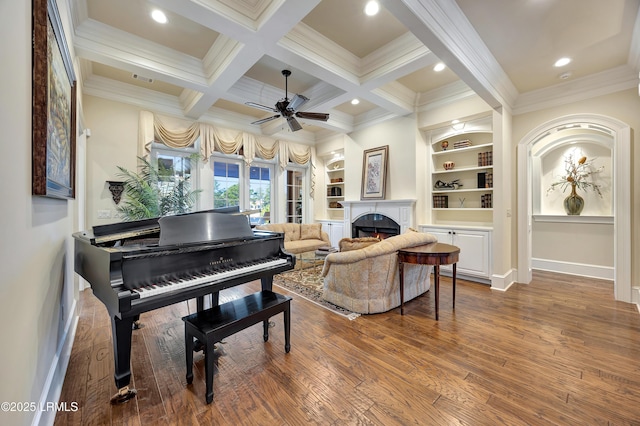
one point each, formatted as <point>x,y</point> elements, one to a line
<point>135,267</point>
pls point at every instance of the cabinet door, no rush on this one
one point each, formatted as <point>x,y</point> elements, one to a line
<point>337,233</point>
<point>335,230</point>
<point>474,252</point>
<point>443,235</point>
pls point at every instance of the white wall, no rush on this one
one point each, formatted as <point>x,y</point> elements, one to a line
<point>37,309</point>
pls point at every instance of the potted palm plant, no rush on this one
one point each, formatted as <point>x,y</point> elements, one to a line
<point>155,191</point>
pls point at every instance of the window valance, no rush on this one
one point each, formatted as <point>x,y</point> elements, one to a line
<point>178,133</point>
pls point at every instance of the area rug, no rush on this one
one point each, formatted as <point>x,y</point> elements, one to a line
<point>307,283</point>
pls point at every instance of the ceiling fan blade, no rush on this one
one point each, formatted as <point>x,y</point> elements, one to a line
<point>313,115</point>
<point>265,120</point>
<point>293,124</point>
<point>264,107</point>
<point>297,101</point>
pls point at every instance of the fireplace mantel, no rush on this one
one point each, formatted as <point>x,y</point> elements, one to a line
<point>402,211</point>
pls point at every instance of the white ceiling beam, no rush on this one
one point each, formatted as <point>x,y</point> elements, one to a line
<point>441,25</point>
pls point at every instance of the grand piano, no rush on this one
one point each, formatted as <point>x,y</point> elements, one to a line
<point>135,267</point>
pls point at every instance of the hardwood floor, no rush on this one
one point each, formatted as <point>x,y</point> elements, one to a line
<point>557,351</point>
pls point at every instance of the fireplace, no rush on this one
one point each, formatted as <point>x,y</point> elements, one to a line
<point>374,225</point>
<point>388,217</point>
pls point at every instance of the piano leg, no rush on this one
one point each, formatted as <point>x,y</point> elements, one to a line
<point>121,330</point>
<point>201,304</point>
<point>267,283</point>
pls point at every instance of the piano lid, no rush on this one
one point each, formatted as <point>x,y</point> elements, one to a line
<point>203,227</point>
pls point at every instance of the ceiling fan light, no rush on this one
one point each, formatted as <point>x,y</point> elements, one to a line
<point>372,8</point>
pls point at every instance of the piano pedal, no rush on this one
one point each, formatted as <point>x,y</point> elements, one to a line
<point>124,394</point>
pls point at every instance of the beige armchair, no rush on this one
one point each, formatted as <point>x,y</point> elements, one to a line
<point>367,281</point>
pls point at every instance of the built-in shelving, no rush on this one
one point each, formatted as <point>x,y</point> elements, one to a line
<point>334,177</point>
<point>462,175</point>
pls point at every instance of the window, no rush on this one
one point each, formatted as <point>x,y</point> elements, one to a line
<point>260,193</point>
<point>177,179</point>
<point>249,188</point>
<point>226,184</point>
<point>294,195</point>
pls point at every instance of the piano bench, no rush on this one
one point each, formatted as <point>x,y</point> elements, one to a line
<point>212,325</point>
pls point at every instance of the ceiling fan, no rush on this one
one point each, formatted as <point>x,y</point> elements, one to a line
<point>288,108</point>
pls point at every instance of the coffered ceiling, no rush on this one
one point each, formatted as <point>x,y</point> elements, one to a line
<point>212,56</point>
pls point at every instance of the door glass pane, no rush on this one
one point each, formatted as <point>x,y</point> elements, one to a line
<point>295,196</point>
<point>260,194</point>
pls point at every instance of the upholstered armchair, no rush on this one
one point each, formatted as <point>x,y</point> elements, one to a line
<point>366,280</point>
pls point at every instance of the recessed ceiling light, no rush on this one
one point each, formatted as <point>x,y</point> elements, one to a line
<point>355,101</point>
<point>372,8</point>
<point>562,62</point>
<point>159,16</point>
<point>439,67</point>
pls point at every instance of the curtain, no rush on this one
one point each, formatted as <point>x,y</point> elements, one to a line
<point>177,133</point>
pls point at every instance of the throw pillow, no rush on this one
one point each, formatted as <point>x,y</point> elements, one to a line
<point>347,244</point>
<point>311,231</point>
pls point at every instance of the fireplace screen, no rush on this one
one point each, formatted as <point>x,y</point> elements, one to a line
<point>374,225</point>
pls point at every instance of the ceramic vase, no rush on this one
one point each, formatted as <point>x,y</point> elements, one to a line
<point>574,203</point>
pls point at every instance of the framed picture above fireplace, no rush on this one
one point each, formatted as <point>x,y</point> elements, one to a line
<point>374,173</point>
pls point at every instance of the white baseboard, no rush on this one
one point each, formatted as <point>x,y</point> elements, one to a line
<point>570,268</point>
<point>53,385</point>
<point>635,297</point>
<point>503,282</point>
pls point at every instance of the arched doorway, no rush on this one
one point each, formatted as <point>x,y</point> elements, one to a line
<point>621,163</point>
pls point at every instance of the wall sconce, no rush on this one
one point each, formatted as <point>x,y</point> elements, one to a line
<point>116,188</point>
<point>457,125</point>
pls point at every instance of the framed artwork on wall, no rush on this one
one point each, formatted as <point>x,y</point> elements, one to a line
<point>374,173</point>
<point>53,107</point>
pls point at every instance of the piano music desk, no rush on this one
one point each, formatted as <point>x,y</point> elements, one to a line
<point>213,325</point>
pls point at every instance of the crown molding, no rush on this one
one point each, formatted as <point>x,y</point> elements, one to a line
<point>395,55</point>
<point>445,95</point>
<point>397,94</point>
<point>599,84</point>
<point>133,95</point>
<point>219,56</point>
<point>104,44</point>
<point>304,41</point>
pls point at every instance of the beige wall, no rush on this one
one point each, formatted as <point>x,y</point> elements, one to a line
<point>113,142</point>
<point>587,241</point>
<point>400,135</point>
<point>36,283</point>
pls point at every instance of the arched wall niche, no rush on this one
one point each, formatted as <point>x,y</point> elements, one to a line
<point>597,134</point>
<point>549,157</point>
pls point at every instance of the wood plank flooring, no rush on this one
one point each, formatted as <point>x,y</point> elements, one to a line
<point>559,351</point>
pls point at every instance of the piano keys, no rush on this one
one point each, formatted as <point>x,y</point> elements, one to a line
<point>136,267</point>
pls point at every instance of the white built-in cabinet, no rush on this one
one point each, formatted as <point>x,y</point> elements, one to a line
<point>335,229</point>
<point>475,250</point>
